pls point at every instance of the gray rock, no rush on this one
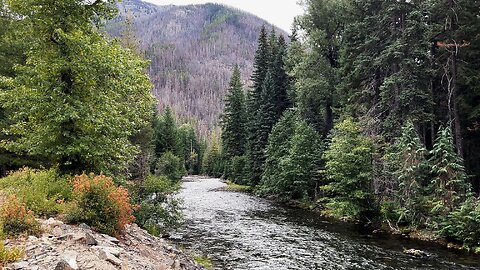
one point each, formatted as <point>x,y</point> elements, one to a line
<point>67,263</point>
<point>90,240</point>
<point>111,239</point>
<point>84,226</point>
<point>105,255</point>
<point>112,250</point>
<point>57,231</point>
<point>20,265</point>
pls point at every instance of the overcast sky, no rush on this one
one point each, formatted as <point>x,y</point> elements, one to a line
<point>277,12</point>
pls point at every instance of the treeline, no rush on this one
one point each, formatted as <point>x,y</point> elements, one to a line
<point>74,102</point>
<point>370,112</point>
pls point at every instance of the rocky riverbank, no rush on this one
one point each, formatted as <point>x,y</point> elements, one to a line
<point>71,247</point>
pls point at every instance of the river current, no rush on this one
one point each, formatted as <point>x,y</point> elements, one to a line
<point>242,232</point>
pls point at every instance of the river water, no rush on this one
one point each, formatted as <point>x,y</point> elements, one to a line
<point>239,231</point>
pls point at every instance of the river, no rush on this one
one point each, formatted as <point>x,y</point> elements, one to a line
<point>239,231</point>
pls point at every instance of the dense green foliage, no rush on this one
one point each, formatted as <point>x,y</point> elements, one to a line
<point>74,101</point>
<point>78,96</point>
<point>348,172</point>
<point>159,210</point>
<point>370,68</point>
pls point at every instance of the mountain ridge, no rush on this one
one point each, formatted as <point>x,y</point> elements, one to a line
<point>192,50</point>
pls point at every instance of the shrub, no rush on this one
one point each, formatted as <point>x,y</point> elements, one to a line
<point>100,204</point>
<point>159,209</point>
<point>171,166</point>
<point>463,224</point>
<point>40,190</point>
<point>9,255</point>
<point>15,219</point>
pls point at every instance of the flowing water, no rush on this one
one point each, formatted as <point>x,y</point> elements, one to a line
<point>239,231</point>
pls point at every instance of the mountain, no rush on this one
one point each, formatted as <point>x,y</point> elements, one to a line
<point>192,50</point>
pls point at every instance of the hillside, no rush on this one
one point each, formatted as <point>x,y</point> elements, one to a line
<point>192,50</point>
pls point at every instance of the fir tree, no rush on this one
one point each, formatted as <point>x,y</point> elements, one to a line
<point>449,186</point>
<point>233,122</point>
<point>253,148</point>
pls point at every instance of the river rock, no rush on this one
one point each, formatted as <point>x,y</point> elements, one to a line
<point>415,252</point>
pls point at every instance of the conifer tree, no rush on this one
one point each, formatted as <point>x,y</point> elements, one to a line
<point>253,148</point>
<point>233,122</point>
<point>408,167</point>
<point>348,170</point>
<point>281,79</point>
<point>278,148</point>
<point>166,133</point>
<point>449,186</point>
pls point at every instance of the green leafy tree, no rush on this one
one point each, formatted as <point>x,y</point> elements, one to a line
<point>348,169</point>
<point>79,97</point>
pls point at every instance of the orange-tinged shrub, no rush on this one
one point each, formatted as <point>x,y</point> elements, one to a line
<point>100,204</point>
<point>16,219</point>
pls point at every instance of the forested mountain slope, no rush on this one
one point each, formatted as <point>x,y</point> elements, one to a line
<point>192,50</point>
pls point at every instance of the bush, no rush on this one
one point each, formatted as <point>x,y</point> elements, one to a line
<point>171,166</point>
<point>100,204</point>
<point>15,219</point>
<point>463,224</point>
<point>9,255</point>
<point>42,191</point>
<point>159,209</point>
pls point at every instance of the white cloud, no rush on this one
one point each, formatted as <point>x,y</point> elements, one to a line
<point>277,12</point>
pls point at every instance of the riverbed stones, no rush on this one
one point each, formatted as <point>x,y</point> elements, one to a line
<point>78,247</point>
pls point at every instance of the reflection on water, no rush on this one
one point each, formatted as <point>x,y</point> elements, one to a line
<point>239,231</point>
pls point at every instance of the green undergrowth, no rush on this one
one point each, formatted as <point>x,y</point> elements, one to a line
<point>231,186</point>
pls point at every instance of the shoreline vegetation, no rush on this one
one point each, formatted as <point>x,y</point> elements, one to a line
<point>369,112</point>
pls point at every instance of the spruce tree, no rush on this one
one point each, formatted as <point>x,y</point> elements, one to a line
<point>233,121</point>
<point>277,149</point>
<point>281,79</point>
<point>253,149</point>
<point>449,186</point>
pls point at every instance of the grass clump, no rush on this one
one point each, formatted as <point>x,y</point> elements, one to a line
<point>231,186</point>
<point>9,255</point>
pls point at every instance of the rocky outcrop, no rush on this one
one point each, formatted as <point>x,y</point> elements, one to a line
<point>69,247</point>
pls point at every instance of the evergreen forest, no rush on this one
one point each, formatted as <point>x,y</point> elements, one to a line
<point>369,112</point>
